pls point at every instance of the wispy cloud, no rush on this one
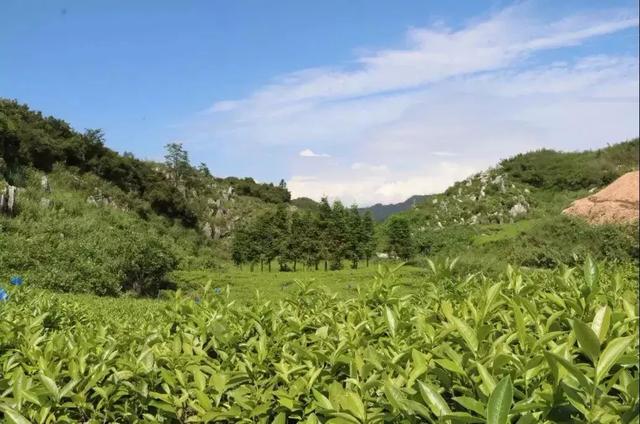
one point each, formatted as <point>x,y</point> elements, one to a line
<point>308,153</point>
<point>361,166</point>
<point>470,95</point>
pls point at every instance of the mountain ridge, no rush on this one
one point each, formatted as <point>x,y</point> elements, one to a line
<point>381,211</point>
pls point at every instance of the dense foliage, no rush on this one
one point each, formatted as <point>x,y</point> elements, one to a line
<point>29,139</point>
<point>398,237</point>
<point>60,241</point>
<point>532,347</point>
<point>332,234</point>
<point>550,169</point>
<point>540,243</point>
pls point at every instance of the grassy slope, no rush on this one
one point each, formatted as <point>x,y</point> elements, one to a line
<point>545,182</point>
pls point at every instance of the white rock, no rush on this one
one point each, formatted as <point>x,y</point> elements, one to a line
<point>517,210</point>
<point>44,183</point>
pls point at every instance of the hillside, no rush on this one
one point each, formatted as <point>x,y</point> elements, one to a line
<point>381,212</point>
<point>512,212</point>
<point>86,218</point>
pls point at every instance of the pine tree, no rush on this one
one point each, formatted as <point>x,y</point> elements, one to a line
<point>368,236</point>
<point>399,241</point>
<point>338,235</point>
<point>177,160</point>
<point>354,243</point>
<point>324,219</point>
<point>295,244</point>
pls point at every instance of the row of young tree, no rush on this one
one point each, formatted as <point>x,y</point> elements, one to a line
<point>325,238</point>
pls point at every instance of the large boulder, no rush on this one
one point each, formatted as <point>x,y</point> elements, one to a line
<point>616,203</point>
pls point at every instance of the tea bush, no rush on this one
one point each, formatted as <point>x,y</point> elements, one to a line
<point>525,347</point>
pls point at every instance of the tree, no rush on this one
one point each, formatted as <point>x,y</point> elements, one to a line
<point>399,241</point>
<point>367,232</point>
<point>204,169</point>
<point>295,240</point>
<point>354,249</point>
<point>311,240</point>
<point>324,218</point>
<point>337,233</point>
<point>177,160</point>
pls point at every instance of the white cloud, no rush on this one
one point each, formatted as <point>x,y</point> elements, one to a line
<point>379,187</point>
<point>308,153</point>
<point>472,96</point>
<point>361,166</point>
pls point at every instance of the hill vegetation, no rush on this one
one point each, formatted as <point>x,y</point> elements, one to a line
<point>512,213</point>
<point>89,219</point>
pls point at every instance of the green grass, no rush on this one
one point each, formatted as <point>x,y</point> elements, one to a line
<point>497,232</point>
<point>275,285</point>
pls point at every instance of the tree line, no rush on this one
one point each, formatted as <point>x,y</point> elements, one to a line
<point>325,238</point>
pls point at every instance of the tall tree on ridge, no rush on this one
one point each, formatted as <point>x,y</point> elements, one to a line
<point>177,160</point>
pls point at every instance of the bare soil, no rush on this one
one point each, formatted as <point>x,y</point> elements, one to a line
<point>616,203</point>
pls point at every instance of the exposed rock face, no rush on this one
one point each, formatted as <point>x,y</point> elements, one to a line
<point>517,210</point>
<point>44,183</point>
<point>8,200</point>
<point>616,203</point>
<point>206,230</point>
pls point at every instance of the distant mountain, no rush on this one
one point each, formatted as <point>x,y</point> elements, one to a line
<point>380,212</point>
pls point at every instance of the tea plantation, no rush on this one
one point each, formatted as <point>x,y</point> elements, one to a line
<point>524,347</point>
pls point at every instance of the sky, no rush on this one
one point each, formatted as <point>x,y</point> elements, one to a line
<point>363,101</point>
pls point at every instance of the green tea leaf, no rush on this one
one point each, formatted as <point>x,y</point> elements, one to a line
<point>433,399</point>
<point>391,321</point>
<point>500,402</point>
<point>588,340</point>
<point>601,322</point>
<point>610,356</point>
<point>467,333</point>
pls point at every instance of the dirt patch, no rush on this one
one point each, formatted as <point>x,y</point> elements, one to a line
<point>616,203</point>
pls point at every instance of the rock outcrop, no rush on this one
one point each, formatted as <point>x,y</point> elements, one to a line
<point>8,200</point>
<point>616,203</point>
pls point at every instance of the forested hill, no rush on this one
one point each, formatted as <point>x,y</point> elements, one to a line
<point>530,184</point>
<point>87,218</point>
<point>512,212</point>
<point>380,212</point>
<point>175,188</point>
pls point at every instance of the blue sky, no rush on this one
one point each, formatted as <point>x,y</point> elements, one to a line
<point>363,100</point>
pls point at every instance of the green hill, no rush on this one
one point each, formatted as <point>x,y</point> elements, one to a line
<point>89,219</point>
<point>513,212</point>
